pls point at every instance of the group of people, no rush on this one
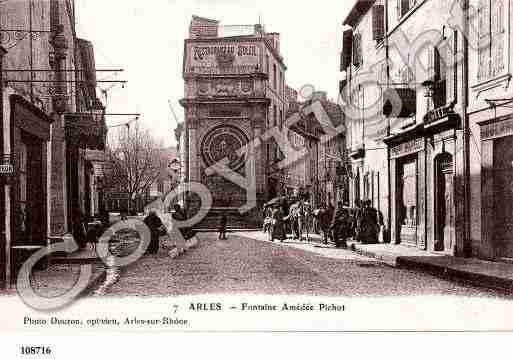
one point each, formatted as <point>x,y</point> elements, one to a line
<point>158,229</point>
<point>83,233</point>
<point>363,223</point>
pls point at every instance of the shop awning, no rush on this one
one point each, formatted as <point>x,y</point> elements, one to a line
<point>88,131</point>
<point>399,102</point>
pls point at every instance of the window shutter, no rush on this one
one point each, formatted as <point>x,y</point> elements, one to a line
<point>398,9</point>
<point>357,50</point>
<point>405,7</point>
<point>484,28</point>
<point>451,66</point>
<point>347,49</point>
<point>378,22</point>
<point>497,38</point>
<point>431,53</point>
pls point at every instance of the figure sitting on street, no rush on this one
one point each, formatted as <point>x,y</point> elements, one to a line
<point>179,215</point>
<point>222,227</point>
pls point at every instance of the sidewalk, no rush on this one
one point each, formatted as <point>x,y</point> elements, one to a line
<point>477,272</point>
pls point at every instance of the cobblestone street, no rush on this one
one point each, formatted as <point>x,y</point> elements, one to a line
<point>248,264</point>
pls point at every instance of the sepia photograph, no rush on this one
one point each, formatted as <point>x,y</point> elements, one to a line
<point>228,166</point>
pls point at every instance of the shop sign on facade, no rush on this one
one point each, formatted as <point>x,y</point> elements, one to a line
<point>407,148</point>
<point>222,58</point>
<point>6,166</point>
<point>497,129</point>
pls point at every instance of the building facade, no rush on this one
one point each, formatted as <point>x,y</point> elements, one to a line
<point>446,110</point>
<point>363,60</point>
<point>48,82</point>
<point>490,117</point>
<point>320,174</point>
<point>234,92</point>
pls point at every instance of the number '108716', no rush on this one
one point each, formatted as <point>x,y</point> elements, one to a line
<point>29,350</point>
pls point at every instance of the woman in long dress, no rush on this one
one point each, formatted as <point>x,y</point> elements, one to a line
<point>277,227</point>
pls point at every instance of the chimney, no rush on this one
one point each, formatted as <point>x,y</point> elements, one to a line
<point>274,39</point>
<point>203,28</point>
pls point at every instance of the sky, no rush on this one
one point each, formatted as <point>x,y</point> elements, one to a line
<point>146,39</point>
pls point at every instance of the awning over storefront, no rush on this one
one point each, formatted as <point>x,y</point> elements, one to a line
<point>399,102</point>
<point>88,131</point>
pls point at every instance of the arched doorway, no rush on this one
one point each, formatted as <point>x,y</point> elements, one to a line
<point>444,203</point>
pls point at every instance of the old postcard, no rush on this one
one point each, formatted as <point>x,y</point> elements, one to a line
<point>201,166</point>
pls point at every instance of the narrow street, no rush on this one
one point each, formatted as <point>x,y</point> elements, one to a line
<point>247,264</point>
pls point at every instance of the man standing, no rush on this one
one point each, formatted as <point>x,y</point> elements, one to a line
<point>369,220</point>
<point>222,227</point>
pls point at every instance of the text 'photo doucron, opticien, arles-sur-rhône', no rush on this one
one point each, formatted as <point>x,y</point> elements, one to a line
<point>266,167</point>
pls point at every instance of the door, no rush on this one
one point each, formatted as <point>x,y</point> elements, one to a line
<point>444,203</point>
<point>32,206</point>
<point>407,205</point>
<point>503,197</point>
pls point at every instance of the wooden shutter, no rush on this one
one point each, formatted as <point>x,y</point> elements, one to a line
<point>378,22</point>
<point>347,49</point>
<point>430,70</point>
<point>451,48</point>
<point>484,39</point>
<point>497,38</point>
<point>405,7</point>
<point>357,50</point>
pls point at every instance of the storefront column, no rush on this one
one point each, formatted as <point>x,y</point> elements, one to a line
<point>487,230</point>
<point>421,200</point>
<point>4,203</point>
<point>394,229</point>
<point>462,248</point>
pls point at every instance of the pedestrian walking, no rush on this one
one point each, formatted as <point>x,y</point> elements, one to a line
<point>369,224</point>
<point>222,227</point>
<point>277,227</point>
<point>156,229</point>
<point>341,227</point>
<point>78,227</point>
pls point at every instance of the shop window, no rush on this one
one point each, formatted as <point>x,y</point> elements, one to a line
<point>409,195</point>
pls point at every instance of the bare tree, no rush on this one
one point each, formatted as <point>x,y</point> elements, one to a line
<point>134,162</point>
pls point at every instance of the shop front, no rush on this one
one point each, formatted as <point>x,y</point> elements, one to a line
<point>408,193</point>
<point>84,132</point>
<point>28,212</point>
<point>426,186</point>
<point>497,187</point>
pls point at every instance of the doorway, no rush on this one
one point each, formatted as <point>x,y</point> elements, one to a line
<point>444,204</point>
<point>503,197</point>
<point>407,201</point>
<point>31,207</point>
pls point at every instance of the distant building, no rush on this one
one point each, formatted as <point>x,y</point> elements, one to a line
<point>234,92</point>
<point>321,175</point>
